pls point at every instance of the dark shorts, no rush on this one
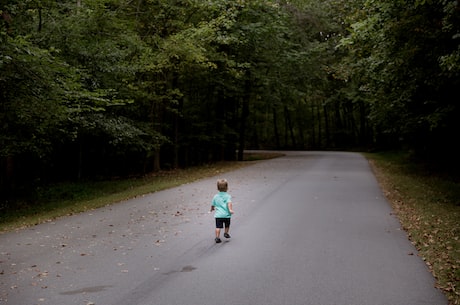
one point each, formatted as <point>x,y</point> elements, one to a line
<point>221,221</point>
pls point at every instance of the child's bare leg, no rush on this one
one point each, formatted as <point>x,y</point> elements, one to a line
<point>217,233</point>
<point>226,235</point>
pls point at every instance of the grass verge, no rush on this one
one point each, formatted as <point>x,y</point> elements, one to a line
<point>427,205</point>
<point>66,199</point>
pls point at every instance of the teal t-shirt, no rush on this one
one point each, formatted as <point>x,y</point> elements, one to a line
<point>220,203</point>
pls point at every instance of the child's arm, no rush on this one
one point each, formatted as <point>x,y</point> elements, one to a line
<point>230,207</point>
<point>212,208</point>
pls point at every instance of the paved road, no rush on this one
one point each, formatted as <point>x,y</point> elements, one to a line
<point>311,228</point>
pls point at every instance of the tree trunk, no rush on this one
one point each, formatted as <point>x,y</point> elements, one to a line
<point>313,127</point>
<point>244,115</point>
<point>138,9</point>
<point>7,183</point>
<point>363,130</point>
<point>176,141</point>
<point>326,126</point>
<point>289,127</point>
<point>40,21</point>
<point>275,129</point>
<point>320,126</point>
<point>156,160</point>
<point>176,115</point>
<point>156,119</point>
<point>80,160</point>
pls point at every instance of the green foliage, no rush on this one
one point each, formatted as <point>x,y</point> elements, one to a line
<point>403,54</point>
<point>76,63</point>
<point>172,83</point>
<point>32,90</point>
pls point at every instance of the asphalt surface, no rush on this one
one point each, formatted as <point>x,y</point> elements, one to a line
<point>310,228</point>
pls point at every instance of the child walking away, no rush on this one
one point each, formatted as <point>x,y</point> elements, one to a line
<point>222,207</point>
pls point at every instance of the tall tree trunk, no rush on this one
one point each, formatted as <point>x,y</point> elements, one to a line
<point>326,126</point>
<point>290,129</point>
<point>176,133</point>
<point>176,122</point>
<point>320,126</point>
<point>313,126</point>
<point>275,129</point>
<point>363,130</point>
<point>7,183</point>
<point>40,21</point>
<point>244,115</point>
<point>155,116</point>
<point>80,160</point>
<point>138,9</point>
<point>156,160</point>
<point>301,126</point>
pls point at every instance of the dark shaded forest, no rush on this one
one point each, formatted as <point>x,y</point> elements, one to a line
<point>92,89</point>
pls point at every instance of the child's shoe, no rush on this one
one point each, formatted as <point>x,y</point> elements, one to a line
<point>218,240</point>
<point>226,235</point>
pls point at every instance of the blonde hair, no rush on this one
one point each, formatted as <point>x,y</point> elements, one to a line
<point>222,185</point>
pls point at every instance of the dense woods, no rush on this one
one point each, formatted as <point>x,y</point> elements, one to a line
<point>101,88</point>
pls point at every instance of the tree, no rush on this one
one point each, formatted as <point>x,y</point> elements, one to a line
<point>75,66</point>
<point>34,88</point>
<point>401,48</point>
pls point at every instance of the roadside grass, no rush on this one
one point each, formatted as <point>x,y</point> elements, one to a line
<point>428,207</point>
<point>64,199</point>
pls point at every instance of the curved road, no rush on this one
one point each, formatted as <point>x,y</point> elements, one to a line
<point>310,228</point>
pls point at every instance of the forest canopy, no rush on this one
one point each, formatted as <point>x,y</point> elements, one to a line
<point>100,88</point>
